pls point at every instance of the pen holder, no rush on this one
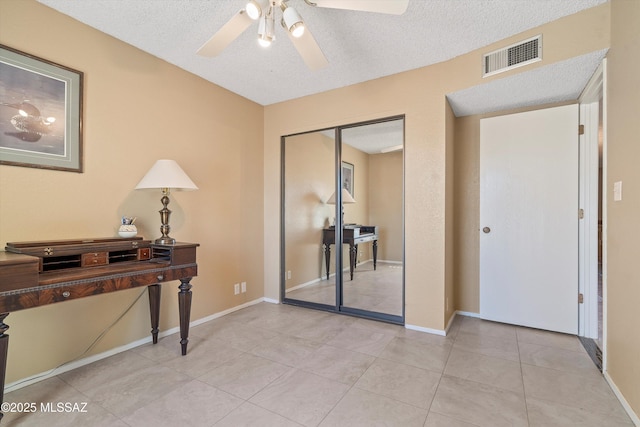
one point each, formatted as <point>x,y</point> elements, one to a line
<point>127,230</point>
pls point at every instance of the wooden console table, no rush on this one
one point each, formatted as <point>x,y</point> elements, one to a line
<point>351,235</point>
<point>33,274</point>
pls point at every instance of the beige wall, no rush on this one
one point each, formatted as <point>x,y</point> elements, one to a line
<point>449,279</point>
<point>467,214</point>
<point>385,203</point>
<point>420,95</point>
<point>623,232</point>
<point>309,182</point>
<point>137,109</point>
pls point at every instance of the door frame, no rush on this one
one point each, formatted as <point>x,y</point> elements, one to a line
<point>590,106</point>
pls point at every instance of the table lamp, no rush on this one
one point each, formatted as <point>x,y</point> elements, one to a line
<point>166,175</point>
<point>346,198</point>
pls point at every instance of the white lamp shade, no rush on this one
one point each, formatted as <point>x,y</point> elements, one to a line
<point>166,174</point>
<point>266,31</point>
<point>255,8</point>
<point>346,198</point>
<point>293,21</point>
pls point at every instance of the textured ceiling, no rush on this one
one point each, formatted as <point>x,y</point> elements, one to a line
<point>563,81</point>
<point>359,46</point>
<point>373,138</point>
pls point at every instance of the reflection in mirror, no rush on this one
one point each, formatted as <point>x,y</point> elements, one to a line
<point>374,153</point>
<point>309,181</point>
<point>372,282</point>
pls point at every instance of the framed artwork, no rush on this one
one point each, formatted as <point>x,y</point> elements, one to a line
<point>40,113</point>
<point>347,177</point>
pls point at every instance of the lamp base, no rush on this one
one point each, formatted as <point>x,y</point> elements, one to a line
<point>165,213</point>
<point>165,241</point>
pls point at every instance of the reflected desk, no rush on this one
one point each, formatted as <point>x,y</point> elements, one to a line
<point>33,274</point>
<point>352,235</point>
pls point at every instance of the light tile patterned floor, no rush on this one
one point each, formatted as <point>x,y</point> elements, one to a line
<point>279,365</point>
<point>378,290</point>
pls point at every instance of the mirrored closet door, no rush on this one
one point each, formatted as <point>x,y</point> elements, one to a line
<point>308,182</point>
<point>345,184</point>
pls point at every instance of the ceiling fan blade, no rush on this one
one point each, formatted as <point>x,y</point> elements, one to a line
<point>225,35</point>
<point>309,50</point>
<point>392,7</point>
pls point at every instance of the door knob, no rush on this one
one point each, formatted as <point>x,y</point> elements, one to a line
<point>487,230</point>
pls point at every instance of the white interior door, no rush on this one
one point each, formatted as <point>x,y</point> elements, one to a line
<point>529,219</point>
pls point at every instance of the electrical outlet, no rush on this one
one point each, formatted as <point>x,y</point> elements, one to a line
<point>243,287</point>
<point>447,303</point>
<point>236,289</point>
<point>289,274</point>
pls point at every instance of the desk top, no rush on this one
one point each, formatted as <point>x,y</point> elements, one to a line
<point>38,273</point>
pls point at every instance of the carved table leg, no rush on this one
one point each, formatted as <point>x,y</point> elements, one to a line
<point>375,253</point>
<point>327,257</point>
<point>355,263</point>
<point>4,346</point>
<point>154,308</point>
<point>184,306</point>
<point>353,251</point>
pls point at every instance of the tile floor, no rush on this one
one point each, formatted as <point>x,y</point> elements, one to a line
<point>378,290</point>
<point>279,365</point>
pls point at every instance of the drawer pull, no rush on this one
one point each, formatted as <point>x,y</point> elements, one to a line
<point>160,277</point>
<point>66,294</point>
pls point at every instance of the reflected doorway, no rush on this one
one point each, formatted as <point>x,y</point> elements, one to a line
<point>345,184</point>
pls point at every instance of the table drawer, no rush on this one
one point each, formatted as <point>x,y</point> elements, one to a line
<point>144,254</point>
<point>94,258</point>
<point>64,293</point>
<point>365,238</point>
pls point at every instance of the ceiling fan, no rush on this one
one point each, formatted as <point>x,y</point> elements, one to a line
<point>264,12</point>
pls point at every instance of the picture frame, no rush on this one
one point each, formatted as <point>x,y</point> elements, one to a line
<point>348,177</point>
<point>40,113</point>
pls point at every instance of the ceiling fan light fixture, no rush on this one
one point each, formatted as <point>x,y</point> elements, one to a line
<point>292,20</point>
<point>297,29</point>
<point>266,33</point>
<point>255,8</point>
<point>264,41</point>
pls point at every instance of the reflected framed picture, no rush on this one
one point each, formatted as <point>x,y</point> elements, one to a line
<point>40,113</point>
<point>347,177</point>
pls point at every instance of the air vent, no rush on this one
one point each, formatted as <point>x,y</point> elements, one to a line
<point>513,56</point>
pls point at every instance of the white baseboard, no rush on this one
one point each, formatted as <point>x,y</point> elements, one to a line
<point>446,329</point>
<point>304,285</point>
<point>75,364</point>
<point>427,330</point>
<point>219,314</point>
<point>450,322</point>
<point>345,269</point>
<point>634,417</point>
<point>94,358</point>
<point>468,313</point>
